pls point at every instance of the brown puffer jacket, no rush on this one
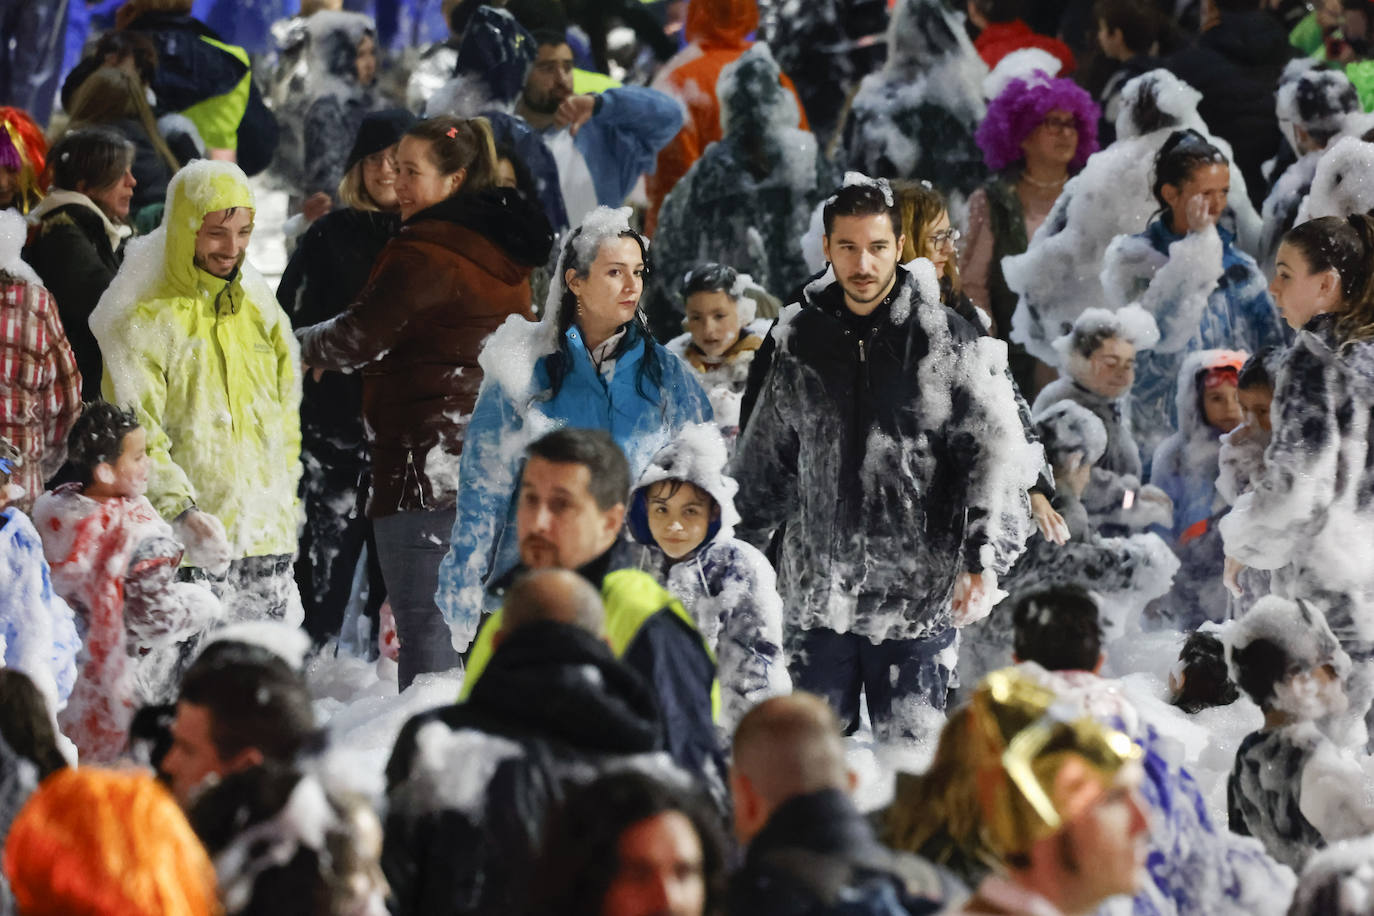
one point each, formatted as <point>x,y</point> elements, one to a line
<point>454,273</point>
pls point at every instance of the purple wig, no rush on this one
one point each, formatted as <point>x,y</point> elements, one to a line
<point>1020,108</point>
<point>9,156</point>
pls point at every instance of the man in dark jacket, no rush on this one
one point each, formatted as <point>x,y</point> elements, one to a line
<point>1236,65</point>
<point>885,442</point>
<point>470,785</point>
<point>572,497</point>
<point>809,849</point>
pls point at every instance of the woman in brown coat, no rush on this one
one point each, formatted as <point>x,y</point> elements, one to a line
<point>458,268</point>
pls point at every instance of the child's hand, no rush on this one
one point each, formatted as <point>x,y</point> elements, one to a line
<point>1199,214</point>
<point>207,544</point>
<point>1231,576</point>
<point>1051,523</point>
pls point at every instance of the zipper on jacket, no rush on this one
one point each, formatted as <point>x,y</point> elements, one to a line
<point>863,356</point>
<point>411,472</point>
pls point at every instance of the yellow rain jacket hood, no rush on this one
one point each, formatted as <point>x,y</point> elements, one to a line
<point>212,369</point>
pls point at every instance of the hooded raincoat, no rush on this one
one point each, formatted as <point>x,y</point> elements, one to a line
<point>37,628</point>
<point>211,368</point>
<point>728,586</point>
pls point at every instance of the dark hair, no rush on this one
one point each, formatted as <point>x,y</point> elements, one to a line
<point>111,95</point>
<point>1086,342</point>
<point>866,198</point>
<point>1183,153</point>
<point>999,10</point>
<point>546,37</point>
<point>650,367</point>
<point>581,858</point>
<point>1260,666</point>
<point>460,143</point>
<point>96,155</point>
<point>97,437</point>
<point>25,723</point>
<point>709,277</point>
<point>1347,247</point>
<point>595,450</point>
<point>524,178</point>
<point>120,44</point>
<point>1140,25</point>
<point>1255,372</point>
<point>340,55</point>
<point>1058,629</point>
<point>540,17</point>
<point>1205,681</point>
<point>254,700</point>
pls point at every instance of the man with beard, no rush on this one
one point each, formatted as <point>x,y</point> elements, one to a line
<point>570,514</point>
<point>602,142</point>
<point>195,342</point>
<point>885,445</point>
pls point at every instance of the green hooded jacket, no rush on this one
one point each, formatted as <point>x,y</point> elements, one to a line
<point>212,369</point>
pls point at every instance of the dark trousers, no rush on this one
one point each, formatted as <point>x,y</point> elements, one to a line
<point>334,536</point>
<point>904,680</point>
<point>411,545</point>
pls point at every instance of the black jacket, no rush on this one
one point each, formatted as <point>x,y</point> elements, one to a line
<point>469,786</point>
<point>329,268</point>
<point>72,255</point>
<point>892,452</point>
<point>818,855</point>
<point>150,170</point>
<point>1236,65</point>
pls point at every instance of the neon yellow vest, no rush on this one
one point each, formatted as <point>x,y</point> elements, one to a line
<point>631,598</point>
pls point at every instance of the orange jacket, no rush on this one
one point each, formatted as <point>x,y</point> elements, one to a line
<point>716,33</point>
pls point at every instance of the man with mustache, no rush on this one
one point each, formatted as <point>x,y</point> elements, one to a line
<point>570,515</point>
<point>881,441</point>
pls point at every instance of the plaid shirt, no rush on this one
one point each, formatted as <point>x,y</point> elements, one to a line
<point>40,387</point>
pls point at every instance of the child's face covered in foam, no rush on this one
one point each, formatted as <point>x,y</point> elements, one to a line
<point>680,514</point>
<point>1310,695</point>
<point>713,321</point>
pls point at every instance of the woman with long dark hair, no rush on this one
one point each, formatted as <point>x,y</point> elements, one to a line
<point>591,362</point>
<point>457,269</point>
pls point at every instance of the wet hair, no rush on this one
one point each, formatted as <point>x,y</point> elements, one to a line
<point>97,437</point>
<point>999,10</point>
<point>1086,342</point>
<point>709,277</point>
<point>1140,25</point>
<point>1347,247</point>
<point>866,198</point>
<point>1182,154</point>
<point>595,450</point>
<point>1255,372</point>
<point>1058,629</point>
<point>25,724</point>
<point>581,857</point>
<point>1260,666</point>
<point>1205,681</point>
<point>650,367</point>
<point>460,143</point>
<point>920,206</point>
<point>112,94</point>
<point>254,700</point>
<point>96,155</point>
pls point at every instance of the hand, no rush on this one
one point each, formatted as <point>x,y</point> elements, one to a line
<point>974,596</point>
<point>575,111</point>
<point>316,205</point>
<point>1198,214</point>
<point>1153,494</point>
<point>1050,523</point>
<point>204,538</point>
<point>1231,576</point>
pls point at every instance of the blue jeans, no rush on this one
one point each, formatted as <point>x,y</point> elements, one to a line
<point>410,546</point>
<point>904,680</point>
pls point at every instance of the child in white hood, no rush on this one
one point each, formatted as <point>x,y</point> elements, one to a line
<point>683,512</point>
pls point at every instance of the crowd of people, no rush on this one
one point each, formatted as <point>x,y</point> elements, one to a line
<point>707,394</point>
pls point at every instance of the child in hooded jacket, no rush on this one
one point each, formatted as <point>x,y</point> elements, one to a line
<point>1186,467</point>
<point>1241,461</point>
<point>114,559</point>
<point>682,511</point>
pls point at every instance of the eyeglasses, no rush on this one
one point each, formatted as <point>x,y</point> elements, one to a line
<point>1060,125</point>
<point>947,237</point>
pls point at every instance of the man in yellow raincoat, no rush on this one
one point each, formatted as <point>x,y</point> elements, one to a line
<point>194,341</point>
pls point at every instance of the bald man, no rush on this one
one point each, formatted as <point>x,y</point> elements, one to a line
<point>809,849</point>
<point>557,595</point>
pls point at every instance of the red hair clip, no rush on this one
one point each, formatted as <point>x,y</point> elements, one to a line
<point>453,133</point>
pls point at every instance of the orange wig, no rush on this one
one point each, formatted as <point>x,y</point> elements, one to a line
<point>103,842</point>
<point>24,149</point>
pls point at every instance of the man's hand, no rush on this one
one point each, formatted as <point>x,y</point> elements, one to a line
<point>974,596</point>
<point>575,111</point>
<point>316,205</point>
<point>1051,524</point>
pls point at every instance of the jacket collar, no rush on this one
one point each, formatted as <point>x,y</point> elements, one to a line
<point>59,197</point>
<point>823,822</point>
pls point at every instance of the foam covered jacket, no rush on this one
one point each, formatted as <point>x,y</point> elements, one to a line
<point>1118,470</point>
<point>211,369</point>
<point>818,854</point>
<point>892,454</point>
<point>728,586</point>
<point>1203,292</point>
<point>1313,505</point>
<point>37,628</point>
<point>717,32</point>
<point>452,275</point>
<point>470,786</point>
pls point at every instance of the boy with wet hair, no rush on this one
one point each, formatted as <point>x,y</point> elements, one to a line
<point>114,560</point>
